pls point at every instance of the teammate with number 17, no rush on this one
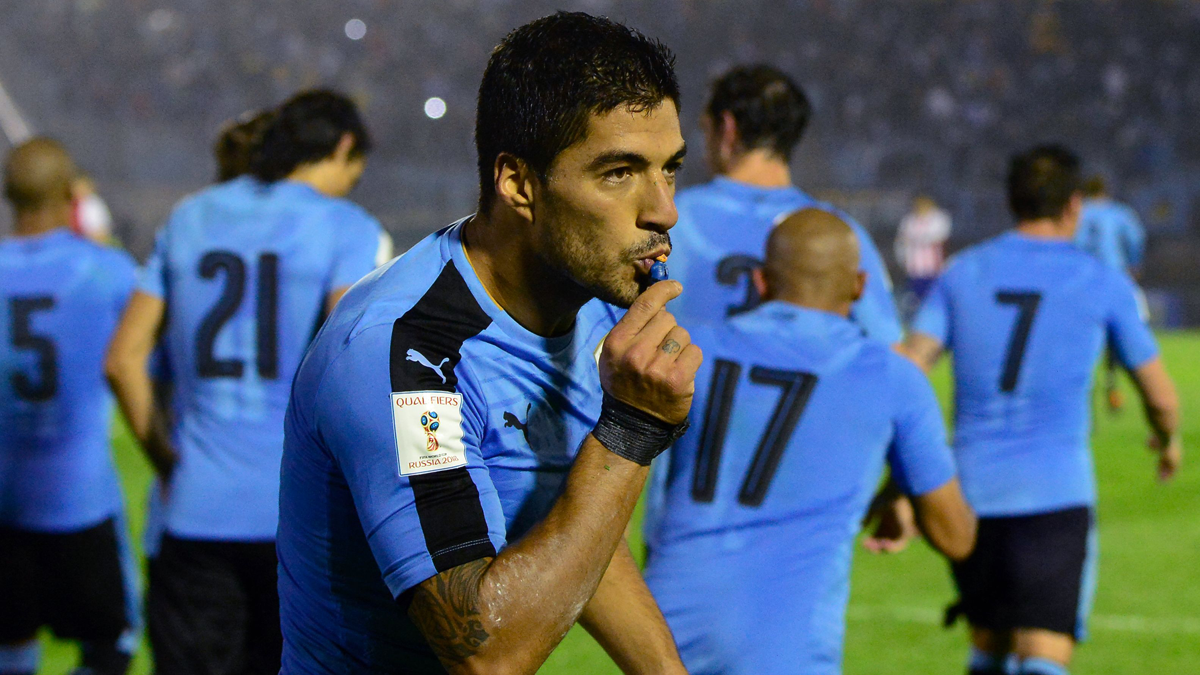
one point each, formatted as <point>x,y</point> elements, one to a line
<point>1025,316</point>
<point>245,270</point>
<point>765,495</point>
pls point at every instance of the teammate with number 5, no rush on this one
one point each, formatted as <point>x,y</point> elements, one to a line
<point>1026,316</point>
<point>245,270</point>
<point>750,557</point>
<point>64,553</point>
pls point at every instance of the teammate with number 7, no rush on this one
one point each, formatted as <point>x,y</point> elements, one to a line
<point>245,270</point>
<point>1026,316</point>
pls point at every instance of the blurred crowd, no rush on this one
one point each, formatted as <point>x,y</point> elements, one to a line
<point>919,96</point>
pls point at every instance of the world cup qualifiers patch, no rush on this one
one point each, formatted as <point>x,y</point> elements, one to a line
<point>429,434</point>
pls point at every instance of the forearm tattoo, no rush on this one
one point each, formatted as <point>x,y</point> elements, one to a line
<point>445,609</point>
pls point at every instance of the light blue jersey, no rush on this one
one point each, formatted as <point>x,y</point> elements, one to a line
<point>1026,320</point>
<point>1112,232</point>
<point>795,417</point>
<point>63,298</point>
<point>245,270</point>
<point>426,430</point>
<point>721,234</point>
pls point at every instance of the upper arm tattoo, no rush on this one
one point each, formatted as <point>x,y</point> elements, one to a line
<point>445,608</point>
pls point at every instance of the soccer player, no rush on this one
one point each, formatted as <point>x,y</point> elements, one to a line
<point>64,552</point>
<point>245,269</point>
<point>1025,316</point>
<point>754,119</point>
<point>764,495</point>
<point>237,142</point>
<point>1112,232</point>
<point>464,443</point>
<point>920,242</point>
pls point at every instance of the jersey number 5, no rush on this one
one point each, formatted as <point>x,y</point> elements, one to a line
<point>20,311</point>
<point>266,310</point>
<point>797,388</point>
<point>1027,306</point>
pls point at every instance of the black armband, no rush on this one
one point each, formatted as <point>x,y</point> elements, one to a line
<point>634,434</point>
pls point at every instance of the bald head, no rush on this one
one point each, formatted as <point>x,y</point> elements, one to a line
<point>812,261</point>
<point>38,175</point>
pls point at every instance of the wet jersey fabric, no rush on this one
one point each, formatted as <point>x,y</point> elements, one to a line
<point>721,235</point>
<point>426,429</point>
<point>1026,320</point>
<point>1112,232</point>
<point>63,298</point>
<point>245,269</point>
<point>796,416</point>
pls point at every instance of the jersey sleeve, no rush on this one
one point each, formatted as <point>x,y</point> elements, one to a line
<point>362,247</point>
<point>123,277</point>
<point>1128,333</point>
<point>152,277</point>
<point>933,317</point>
<point>412,463</point>
<point>1133,238</point>
<point>875,311</point>
<point>919,456</point>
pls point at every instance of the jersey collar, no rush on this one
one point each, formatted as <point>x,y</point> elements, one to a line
<point>804,319</point>
<point>548,345</point>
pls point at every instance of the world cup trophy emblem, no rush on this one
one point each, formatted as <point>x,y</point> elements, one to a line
<point>429,420</point>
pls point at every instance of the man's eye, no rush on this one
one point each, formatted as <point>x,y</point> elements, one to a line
<point>671,169</point>
<point>618,175</point>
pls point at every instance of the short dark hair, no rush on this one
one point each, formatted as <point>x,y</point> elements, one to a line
<point>1042,181</point>
<point>1094,187</point>
<point>306,129</point>
<point>770,110</point>
<point>547,77</point>
<point>237,142</point>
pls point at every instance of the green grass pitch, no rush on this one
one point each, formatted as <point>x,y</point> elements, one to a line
<point>1147,613</point>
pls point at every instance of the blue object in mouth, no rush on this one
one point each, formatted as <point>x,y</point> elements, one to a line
<point>658,271</point>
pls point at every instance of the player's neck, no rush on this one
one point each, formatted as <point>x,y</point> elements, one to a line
<point>540,299</point>
<point>34,223</point>
<point>1045,228</point>
<point>318,176</point>
<point>815,300</point>
<point>760,168</point>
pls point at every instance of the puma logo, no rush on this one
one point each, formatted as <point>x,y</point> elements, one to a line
<point>511,422</point>
<point>418,357</point>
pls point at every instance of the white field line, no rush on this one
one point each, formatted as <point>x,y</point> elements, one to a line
<point>11,122</point>
<point>1180,625</point>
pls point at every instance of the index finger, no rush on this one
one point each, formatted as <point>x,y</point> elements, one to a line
<point>648,304</point>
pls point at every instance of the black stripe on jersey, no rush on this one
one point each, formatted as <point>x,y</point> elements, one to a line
<point>426,347</point>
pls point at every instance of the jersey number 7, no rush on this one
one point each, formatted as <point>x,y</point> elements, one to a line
<point>1027,304</point>
<point>266,314</point>
<point>797,388</point>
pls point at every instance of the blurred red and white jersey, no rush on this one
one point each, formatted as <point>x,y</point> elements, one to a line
<point>921,240</point>
<point>91,218</point>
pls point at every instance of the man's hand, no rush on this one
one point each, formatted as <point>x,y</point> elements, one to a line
<point>1170,455</point>
<point>649,361</point>
<point>895,525</point>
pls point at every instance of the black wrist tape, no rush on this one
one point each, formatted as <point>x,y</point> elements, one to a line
<point>634,434</point>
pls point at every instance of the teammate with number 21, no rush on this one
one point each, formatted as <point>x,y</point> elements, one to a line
<point>245,270</point>
<point>1025,317</point>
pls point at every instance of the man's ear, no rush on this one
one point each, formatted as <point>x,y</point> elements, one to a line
<point>728,133</point>
<point>344,147</point>
<point>860,284</point>
<point>514,184</point>
<point>759,279</point>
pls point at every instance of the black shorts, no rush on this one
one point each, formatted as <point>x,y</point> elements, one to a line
<point>213,608</point>
<point>72,582</point>
<point>1034,571</point>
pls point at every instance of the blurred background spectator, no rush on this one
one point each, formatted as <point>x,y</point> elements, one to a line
<point>911,97</point>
